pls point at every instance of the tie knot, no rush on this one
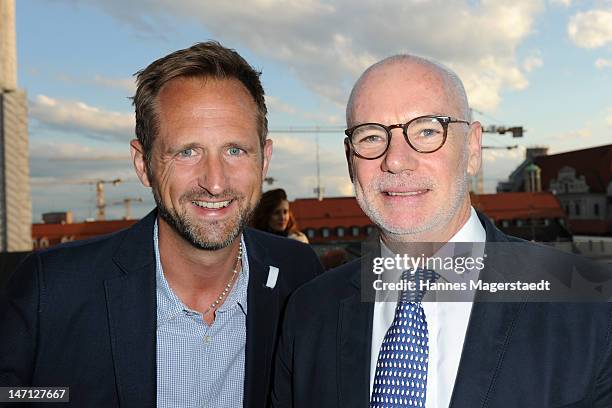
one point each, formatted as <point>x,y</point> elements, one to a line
<point>420,277</point>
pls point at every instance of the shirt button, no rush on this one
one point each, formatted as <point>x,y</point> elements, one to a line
<point>207,339</point>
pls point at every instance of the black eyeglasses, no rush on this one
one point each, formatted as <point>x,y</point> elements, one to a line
<point>425,134</point>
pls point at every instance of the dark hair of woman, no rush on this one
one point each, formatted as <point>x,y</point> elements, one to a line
<point>274,215</point>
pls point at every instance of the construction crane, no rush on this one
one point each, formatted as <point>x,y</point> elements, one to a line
<point>99,183</point>
<point>127,203</point>
<point>517,131</point>
<point>100,204</point>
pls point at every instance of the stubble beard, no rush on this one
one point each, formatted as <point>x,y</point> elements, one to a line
<point>210,236</point>
<point>440,218</point>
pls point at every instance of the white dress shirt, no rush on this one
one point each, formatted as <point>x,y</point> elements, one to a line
<point>446,322</point>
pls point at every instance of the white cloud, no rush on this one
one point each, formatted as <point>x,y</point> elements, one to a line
<point>332,185</point>
<point>81,118</point>
<point>57,162</point>
<point>293,166</point>
<point>564,3</point>
<point>498,164</point>
<point>533,61</point>
<point>65,151</point>
<point>328,45</point>
<point>577,135</point>
<point>291,144</point>
<point>496,155</point>
<point>591,29</point>
<point>274,104</point>
<point>602,63</point>
<point>127,85</point>
<point>324,118</point>
<point>124,84</point>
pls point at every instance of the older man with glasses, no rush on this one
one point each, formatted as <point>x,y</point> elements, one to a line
<point>411,148</point>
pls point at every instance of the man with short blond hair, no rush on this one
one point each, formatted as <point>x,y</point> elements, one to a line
<point>182,309</point>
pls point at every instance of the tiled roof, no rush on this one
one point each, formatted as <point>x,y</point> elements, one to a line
<point>79,230</point>
<point>510,206</point>
<point>330,212</point>
<point>345,212</point>
<point>336,212</point>
<point>595,164</point>
<point>591,227</point>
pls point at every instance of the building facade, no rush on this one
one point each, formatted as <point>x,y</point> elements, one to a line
<point>582,182</point>
<point>15,201</point>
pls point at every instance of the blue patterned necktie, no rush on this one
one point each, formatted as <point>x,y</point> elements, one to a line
<point>401,370</point>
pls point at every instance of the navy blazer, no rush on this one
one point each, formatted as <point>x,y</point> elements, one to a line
<point>515,354</point>
<point>83,315</point>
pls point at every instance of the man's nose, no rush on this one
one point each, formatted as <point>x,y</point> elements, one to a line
<point>213,176</point>
<point>400,156</point>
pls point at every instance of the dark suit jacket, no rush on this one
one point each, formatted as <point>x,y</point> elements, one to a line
<point>515,354</point>
<point>83,315</point>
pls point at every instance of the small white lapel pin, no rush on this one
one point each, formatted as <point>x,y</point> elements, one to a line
<point>272,276</point>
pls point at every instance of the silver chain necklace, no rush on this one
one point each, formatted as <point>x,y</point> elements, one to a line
<point>228,286</point>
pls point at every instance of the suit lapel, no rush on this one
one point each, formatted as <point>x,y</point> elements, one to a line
<point>131,305</point>
<point>489,331</point>
<point>354,350</point>
<point>262,317</point>
<point>354,345</point>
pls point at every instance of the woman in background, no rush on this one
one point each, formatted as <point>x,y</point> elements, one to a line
<point>273,215</point>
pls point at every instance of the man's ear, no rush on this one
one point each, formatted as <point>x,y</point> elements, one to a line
<point>267,156</point>
<point>349,158</point>
<point>140,164</point>
<point>474,145</point>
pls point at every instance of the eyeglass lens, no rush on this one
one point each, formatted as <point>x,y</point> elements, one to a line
<point>425,134</point>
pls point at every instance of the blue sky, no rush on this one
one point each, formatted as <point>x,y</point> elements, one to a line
<point>544,65</point>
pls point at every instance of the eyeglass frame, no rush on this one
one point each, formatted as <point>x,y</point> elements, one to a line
<point>443,120</point>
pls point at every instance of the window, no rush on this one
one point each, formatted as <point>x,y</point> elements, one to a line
<point>519,223</point>
<point>369,229</point>
<point>43,242</point>
<point>310,233</point>
<point>340,232</point>
<point>546,222</point>
<point>505,223</point>
<point>355,231</point>
<point>325,232</point>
